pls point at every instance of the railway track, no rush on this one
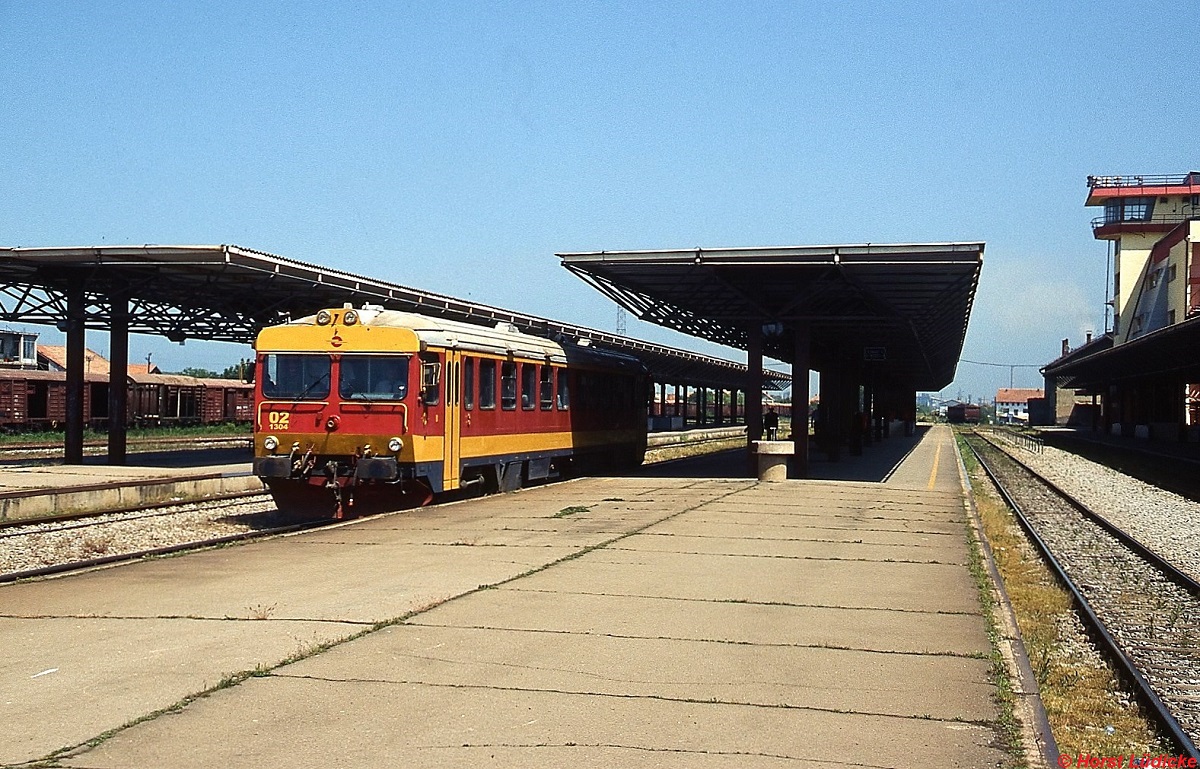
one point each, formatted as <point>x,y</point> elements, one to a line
<point>51,546</point>
<point>43,449</point>
<point>1142,609</point>
<point>45,546</point>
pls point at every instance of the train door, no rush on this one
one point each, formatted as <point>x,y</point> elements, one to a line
<point>452,446</point>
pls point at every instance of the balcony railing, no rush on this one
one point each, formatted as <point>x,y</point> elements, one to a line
<point>1161,220</point>
<point>1161,180</point>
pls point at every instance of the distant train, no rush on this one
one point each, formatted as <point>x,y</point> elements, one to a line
<point>959,413</point>
<point>372,409</point>
<point>33,399</point>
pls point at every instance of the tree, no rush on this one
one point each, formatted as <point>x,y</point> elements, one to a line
<point>199,373</point>
<point>243,371</point>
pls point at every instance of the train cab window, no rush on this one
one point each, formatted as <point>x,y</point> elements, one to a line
<point>564,390</point>
<point>508,385</point>
<point>487,384</point>
<point>373,377</point>
<point>295,377</point>
<point>431,375</point>
<point>468,384</point>
<point>547,389</point>
<point>528,385</point>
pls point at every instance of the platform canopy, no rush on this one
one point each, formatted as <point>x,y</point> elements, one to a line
<point>1162,354</point>
<point>900,309</point>
<point>227,293</point>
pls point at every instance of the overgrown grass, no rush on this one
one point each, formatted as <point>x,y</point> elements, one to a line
<point>1086,704</point>
<point>1007,722</point>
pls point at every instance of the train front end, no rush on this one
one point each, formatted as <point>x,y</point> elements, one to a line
<point>336,412</point>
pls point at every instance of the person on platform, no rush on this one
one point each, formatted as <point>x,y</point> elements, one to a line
<point>771,424</point>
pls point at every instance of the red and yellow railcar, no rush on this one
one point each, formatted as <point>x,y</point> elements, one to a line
<point>358,410</point>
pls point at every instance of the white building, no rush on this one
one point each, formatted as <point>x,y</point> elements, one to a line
<point>1012,405</point>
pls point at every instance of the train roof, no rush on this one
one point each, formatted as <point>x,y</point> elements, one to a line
<point>35,375</point>
<point>42,375</point>
<point>501,339</point>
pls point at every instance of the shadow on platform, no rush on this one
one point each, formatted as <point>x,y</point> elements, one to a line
<point>875,465</point>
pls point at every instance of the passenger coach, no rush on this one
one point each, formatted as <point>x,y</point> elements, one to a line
<point>372,409</point>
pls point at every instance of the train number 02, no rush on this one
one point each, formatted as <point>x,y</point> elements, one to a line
<point>278,420</point>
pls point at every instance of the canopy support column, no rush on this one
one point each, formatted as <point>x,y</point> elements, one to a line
<point>118,378</point>
<point>73,441</point>
<point>800,364</point>
<point>754,384</point>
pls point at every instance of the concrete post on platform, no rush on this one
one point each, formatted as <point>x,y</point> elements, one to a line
<point>75,321</point>
<point>118,378</point>
<point>772,464</point>
<point>800,363</point>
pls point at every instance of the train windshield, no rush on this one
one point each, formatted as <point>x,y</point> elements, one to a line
<point>373,377</point>
<point>296,377</point>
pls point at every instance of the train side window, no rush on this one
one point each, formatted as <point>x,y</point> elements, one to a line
<point>547,392</point>
<point>468,384</point>
<point>564,390</point>
<point>487,384</point>
<point>431,374</point>
<point>373,377</point>
<point>508,385</point>
<point>528,385</point>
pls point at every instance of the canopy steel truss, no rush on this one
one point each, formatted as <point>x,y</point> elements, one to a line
<point>228,293</point>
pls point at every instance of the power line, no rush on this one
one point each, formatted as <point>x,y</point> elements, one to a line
<point>1002,365</point>
<point>1012,367</point>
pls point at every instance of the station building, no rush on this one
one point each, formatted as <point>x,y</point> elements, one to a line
<point>18,349</point>
<point>1012,404</point>
<point>1144,374</point>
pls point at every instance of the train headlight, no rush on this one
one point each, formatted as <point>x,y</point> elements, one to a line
<point>323,318</point>
<point>270,443</point>
<point>395,444</point>
<point>350,318</point>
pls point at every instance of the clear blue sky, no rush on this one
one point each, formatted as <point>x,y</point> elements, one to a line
<point>455,147</point>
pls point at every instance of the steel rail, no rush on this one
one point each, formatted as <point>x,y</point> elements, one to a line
<point>233,440</point>
<point>1184,580</point>
<point>1142,687</point>
<point>211,542</point>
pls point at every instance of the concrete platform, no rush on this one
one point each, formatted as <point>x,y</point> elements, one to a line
<point>34,490</point>
<point>627,622</point>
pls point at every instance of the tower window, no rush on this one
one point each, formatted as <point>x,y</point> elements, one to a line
<point>1128,210</point>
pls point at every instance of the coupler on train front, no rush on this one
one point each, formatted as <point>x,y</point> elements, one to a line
<point>312,486</point>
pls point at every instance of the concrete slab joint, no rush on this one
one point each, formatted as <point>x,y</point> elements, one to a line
<point>674,622</point>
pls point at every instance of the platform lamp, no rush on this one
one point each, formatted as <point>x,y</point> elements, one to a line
<point>772,330</point>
